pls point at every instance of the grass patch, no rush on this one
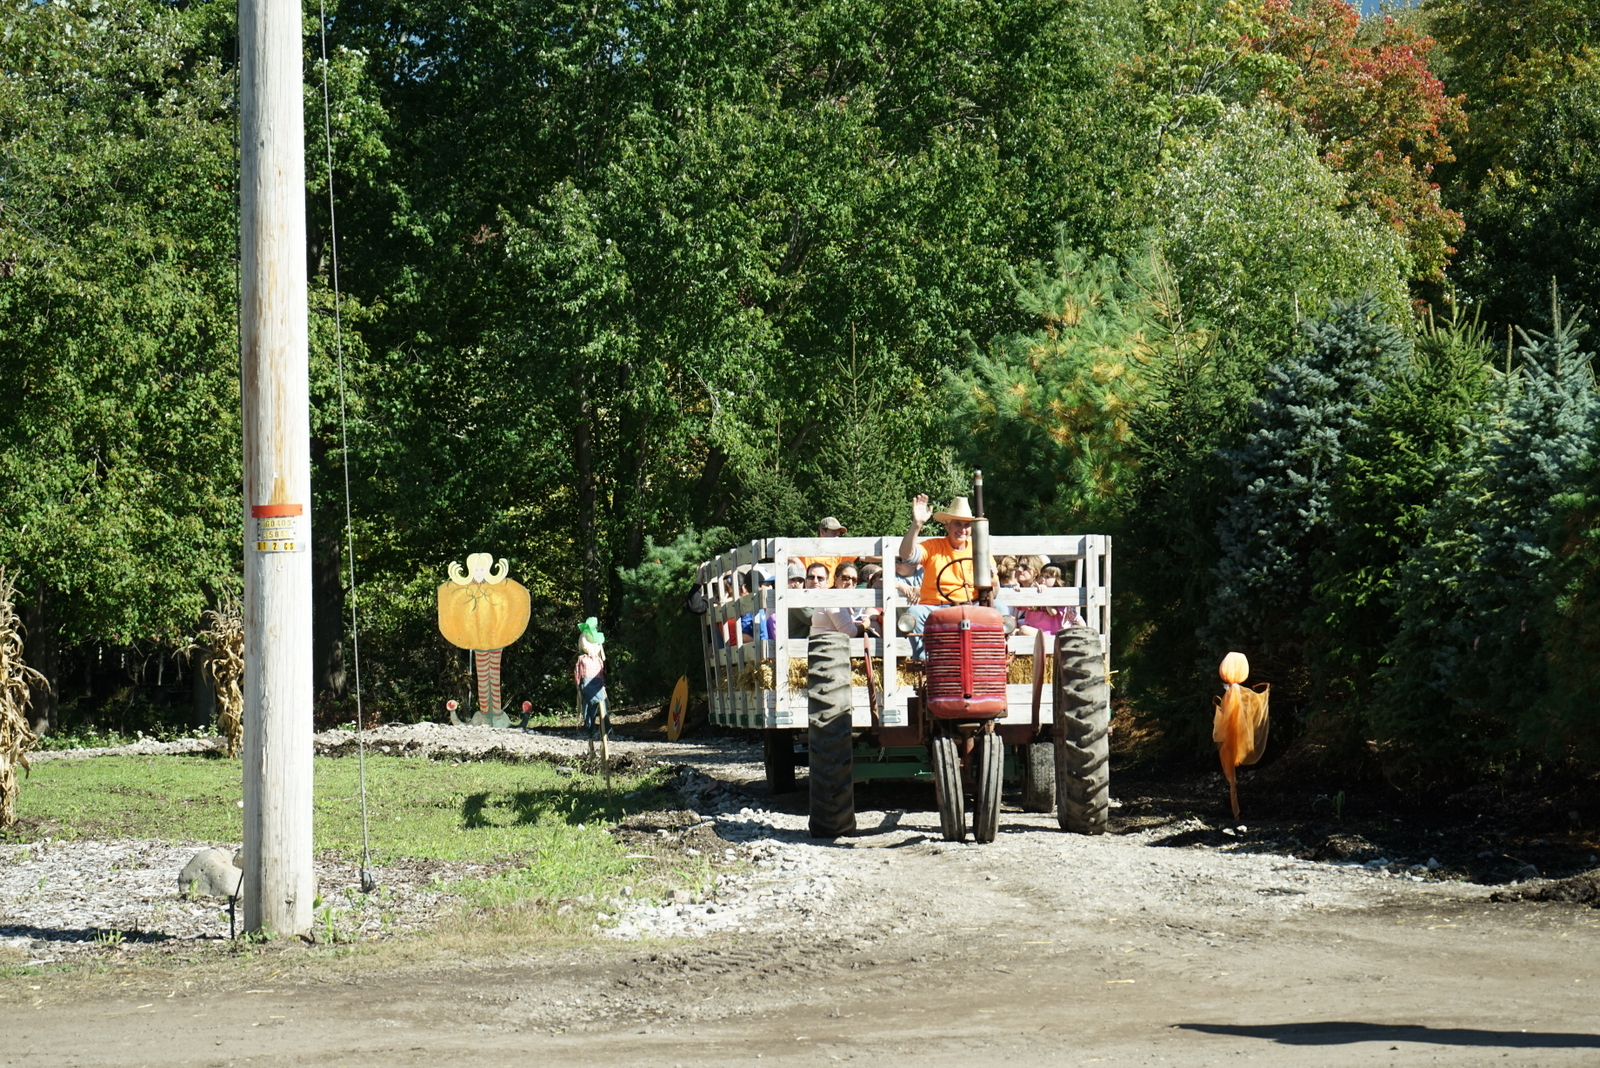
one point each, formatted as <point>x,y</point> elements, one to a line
<point>548,829</point>
<point>418,808</point>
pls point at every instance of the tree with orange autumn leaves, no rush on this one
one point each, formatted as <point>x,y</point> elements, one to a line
<point>1381,116</point>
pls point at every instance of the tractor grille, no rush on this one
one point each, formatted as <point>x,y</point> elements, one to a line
<point>966,662</point>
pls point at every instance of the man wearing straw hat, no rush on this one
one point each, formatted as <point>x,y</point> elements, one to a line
<point>946,562</point>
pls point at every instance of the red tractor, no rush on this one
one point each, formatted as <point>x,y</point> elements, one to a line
<point>962,695</point>
<point>963,701</point>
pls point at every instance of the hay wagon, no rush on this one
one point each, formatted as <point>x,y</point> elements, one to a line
<point>766,685</point>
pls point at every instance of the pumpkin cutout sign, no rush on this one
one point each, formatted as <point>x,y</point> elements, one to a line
<point>1239,726</point>
<point>483,610</point>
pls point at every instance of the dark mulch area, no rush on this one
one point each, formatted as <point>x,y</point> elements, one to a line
<point>670,831</point>
<point>1486,833</point>
<point>1580,890</point>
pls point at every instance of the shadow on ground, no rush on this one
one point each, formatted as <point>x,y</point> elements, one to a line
<point>1347,1032</point>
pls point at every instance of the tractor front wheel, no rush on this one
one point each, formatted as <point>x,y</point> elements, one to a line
<point>947,788</point>
<point>989,754</point>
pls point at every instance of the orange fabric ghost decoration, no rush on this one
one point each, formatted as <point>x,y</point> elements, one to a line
<point>1240,725</point>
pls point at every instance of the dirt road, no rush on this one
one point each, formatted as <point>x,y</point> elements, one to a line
<point>1161,943</point>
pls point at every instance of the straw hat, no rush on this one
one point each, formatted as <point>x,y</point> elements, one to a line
<point>959,509</point>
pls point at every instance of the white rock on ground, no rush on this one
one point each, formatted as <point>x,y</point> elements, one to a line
<point>210,873</point>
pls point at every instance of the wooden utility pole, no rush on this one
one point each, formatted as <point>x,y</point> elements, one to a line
<point>278,883</point>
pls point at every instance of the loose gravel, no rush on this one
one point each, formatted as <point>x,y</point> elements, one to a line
<point>63,898</point>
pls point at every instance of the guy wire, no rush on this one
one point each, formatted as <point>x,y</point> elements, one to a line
<point>369,882</point>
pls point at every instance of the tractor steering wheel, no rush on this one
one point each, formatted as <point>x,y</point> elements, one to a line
<point>938,581</point>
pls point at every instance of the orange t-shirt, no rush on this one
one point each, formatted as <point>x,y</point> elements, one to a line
<point>957,582</point>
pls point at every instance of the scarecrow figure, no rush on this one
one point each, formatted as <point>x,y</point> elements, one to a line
<point>482,610</point>
<point>1239,724</point>
<point>589,674</point>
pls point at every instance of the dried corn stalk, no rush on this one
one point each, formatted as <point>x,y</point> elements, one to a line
<point>16,697</point>
<point>225,638</point>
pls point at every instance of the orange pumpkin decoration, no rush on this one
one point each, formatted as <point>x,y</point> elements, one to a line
<point>483,609</point>
<point>1239,726</point>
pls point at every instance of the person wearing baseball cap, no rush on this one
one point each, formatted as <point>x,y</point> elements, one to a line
<point>829,527</point>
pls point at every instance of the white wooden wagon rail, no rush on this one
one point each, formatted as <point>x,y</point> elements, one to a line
<point>742,694</point>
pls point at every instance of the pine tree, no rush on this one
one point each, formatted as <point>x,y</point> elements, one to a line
<point>1467,668</point>
<point>1046,413</point>
<point>1280,514</point>
<point>660,638</point>
<point>1394,470</point>
<point>1570,713</point>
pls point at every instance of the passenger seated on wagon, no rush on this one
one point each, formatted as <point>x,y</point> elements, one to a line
<point>871,618</point>
<point>728,630</point>
<point>1050,577</point>
<point>946,562</point>
<point>1046,619</point>
<point>759,625</point>
<point>908,580</point>
<point>819,577</point>
<point>829,527</point>
<point>799,618</point>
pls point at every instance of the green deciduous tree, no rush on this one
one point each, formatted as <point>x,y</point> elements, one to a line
<point>1254,224</point>
<point>1380,116</point>
<point>119,453</point>
<point>621,253</point>
<point>1536,214</point>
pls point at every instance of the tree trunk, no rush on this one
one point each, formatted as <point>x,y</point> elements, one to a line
<point>41,650</point>
<point>583,461</point>
<point>706,485</point>
<point>327,612</point>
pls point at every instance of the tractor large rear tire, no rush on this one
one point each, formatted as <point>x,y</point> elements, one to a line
<point>1038,760</point>
<point>1082,733</point>
<point>833,799</point>
<point>778,756</point>
<point>989,755</point>
<point>947,788</point>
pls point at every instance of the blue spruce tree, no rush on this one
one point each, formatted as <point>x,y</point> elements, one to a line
<point>1468,667</point>
<point>1279,516</point>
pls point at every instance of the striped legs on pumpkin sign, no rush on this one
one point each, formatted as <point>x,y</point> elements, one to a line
<point>487,663</point>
